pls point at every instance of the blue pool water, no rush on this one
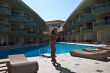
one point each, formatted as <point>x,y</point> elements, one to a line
<point>42,49</point>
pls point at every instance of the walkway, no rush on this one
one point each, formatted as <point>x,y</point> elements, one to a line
<point>68,64</point>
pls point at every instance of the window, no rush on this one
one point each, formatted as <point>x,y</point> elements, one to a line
<point>107,18</point>
<point>102,1</point>
<point>89,24</point>
<point>15,13</point>
<point>1,20</point>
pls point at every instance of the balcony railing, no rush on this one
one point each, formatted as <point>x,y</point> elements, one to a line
<point>30,23</point>
<point>101,8</point>
<point>86,29</point>
<point>76,21</point>
<point>18,18</point>
<point>72,25</point>
<point>5,9</point>
<point>5,28</point>
<point>87,17</point>
<point>77,31</point>
<point>33,34</point>
<point>18,32</point>
<point>102,25</point>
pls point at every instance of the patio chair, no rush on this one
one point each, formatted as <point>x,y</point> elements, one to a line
<point>104,48</point>
<point>19,64</point>
<point>100,55</point>
<point>91,50</point>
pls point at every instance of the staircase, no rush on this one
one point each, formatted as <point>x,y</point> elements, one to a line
<point>4,66</point>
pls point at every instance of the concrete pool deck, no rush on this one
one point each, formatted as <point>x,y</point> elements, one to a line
<point>69,64</point>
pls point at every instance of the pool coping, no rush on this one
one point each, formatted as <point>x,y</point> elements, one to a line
<point>95,45</point>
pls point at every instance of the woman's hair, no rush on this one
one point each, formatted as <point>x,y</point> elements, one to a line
<point>53,31</point>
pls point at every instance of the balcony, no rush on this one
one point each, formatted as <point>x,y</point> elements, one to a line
<point>30,23</point>
<point>5,28</point>
<point>41,36</point>
<point>102,25</point>
<point>87,29</point>
<point>5,10</point>
<point>77,31</point>
<point>71,26</point>
<point>40,27</point>
<point>31,34</point>
<point>18,32</point>
<point>18,18</point>
<point>101,8</point>
<point>87,17</point>
<point>76,21</point>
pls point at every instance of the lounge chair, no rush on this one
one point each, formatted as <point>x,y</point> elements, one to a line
<point>104,48</point>
<point>19,64</point>
<point>101,55</point>
<point>91,50</point>
<point>88,50</point>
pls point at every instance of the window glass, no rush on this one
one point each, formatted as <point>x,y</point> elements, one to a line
<point>106,18</point>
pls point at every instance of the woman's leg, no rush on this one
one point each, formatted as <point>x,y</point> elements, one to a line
<point>53,52</point>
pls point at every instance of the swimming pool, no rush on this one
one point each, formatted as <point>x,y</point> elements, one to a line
<point>42,49</point>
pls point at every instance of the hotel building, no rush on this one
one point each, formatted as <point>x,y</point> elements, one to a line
<point>55,24</point>
<point>89,22</point>
<point>19,24</point>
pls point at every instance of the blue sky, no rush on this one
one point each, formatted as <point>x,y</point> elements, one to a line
<point>53,9</point>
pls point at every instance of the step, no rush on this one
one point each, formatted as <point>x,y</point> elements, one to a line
<point>4,61</point>
<point>3,69</point>
<point>2,65</point>
<point>3,72</point>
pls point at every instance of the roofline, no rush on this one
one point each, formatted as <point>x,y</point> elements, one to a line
<point>55,20</point>
<point>76,9</point>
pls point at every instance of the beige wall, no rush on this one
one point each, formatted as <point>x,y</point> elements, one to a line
<point>73,38</point>
<point>103,36</point>
<point>89,36</point>
<point>4,38</point>
<point>79,38</point>
<point>20,40</point>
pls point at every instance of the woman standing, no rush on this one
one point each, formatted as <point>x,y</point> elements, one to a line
<point>53,38</point>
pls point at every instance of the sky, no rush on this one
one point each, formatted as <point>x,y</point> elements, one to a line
<point>53,9</point>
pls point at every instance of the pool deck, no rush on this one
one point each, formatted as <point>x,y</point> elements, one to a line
<point>69,64</point>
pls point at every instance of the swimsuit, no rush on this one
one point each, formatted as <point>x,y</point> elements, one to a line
<point>53,39</point>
